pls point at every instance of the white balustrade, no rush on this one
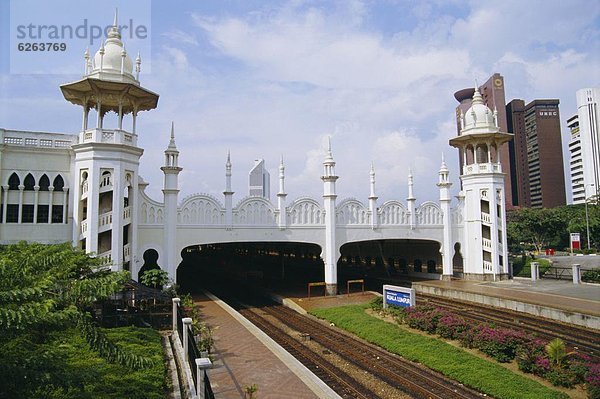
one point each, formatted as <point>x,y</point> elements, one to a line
<point>105,258</point>
<point>127,252</point>
<point>487,266</point>
<point>487,243</point>
<point>485,217</point>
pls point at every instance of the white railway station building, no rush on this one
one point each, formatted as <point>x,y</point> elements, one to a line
<point>86,189</point>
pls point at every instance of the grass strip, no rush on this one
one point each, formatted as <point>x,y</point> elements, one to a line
<point>100,379</point>
<point>480,374</point>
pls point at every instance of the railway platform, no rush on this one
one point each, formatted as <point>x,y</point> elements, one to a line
<point>244,356</point>
<point>554,299</point>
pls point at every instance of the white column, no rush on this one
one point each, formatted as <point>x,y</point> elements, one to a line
<point>493,195</point>
<point>116,245</point>
<point>20,216</point>
<point>4,203</point>
<point>65,204</point>
<point>411,202</point>
<point>176,302</point>
<point>93,208</point>
<point>187,323</point>
<point>281,197</point>
<point>228,193</point>
<point>36,198</point>
<point>99,116</point>
<point>134,204</point>
<point>50,203</point>
<point>329,198</point>
<point>202,364</point>
<point>444,186</point>
<point>86,111</point>
<point>576,273</point>
<point>373,200</point>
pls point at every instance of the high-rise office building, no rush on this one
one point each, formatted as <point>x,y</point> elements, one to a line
<point>518,152</point>
<point>584,146</point>
<point>492,92</point>
<point>259,180</point>
<point>536,153</point>
<point>576,162</point>
<point>545,167</point>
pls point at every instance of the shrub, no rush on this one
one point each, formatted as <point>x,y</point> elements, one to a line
<point>579,364</point>
<point>499,343</point>
<point>528,354</point>
<point>591,276</point>
<point>451,326</point>
<point>557,351</point>
<point>376,304</point>
<point>424,318</point>
<point>541,366</point>
<point>561,377</point>
<point>592,380</point>
<point>467,337</point>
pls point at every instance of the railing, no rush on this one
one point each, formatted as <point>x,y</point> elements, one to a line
<point>482,168</point>
<point>197,361</point>
<point>115,136</point>
<point>487,243</point>
<point>105,183</point>
<point>105,258</point>
<point>487,266</point>
<point>127,214</point>
<point>84,226</point>
<point>127,252</point>
<point>105,221</point>
<point>84,189</point>
<point>485,217</point>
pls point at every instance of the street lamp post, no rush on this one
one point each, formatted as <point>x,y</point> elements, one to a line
<point>587,219</point>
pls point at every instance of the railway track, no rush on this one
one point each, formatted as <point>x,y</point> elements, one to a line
<point>585,340</point>
<point>413,379</point>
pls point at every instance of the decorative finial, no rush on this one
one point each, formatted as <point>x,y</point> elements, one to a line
<point>372,168</point>
<point>172,130</point>
<point>228,163</point>
<point>116,20</point>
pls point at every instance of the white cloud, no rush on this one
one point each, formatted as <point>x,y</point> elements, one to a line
<point>181,37</point>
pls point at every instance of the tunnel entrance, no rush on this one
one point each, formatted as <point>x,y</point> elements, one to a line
<point>389,259</point>
<point>271,264</point>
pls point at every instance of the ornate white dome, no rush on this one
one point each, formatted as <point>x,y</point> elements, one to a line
<point>479,115</point>
<point>113,54</point>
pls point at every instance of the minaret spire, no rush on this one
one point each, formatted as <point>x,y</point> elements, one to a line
<point>331,251</point>
<point>281,196</point>
<point>373,198</point>
<point>228,193</point>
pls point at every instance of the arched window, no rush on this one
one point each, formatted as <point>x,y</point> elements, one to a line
<point>14,182</point>
<point>59,183</point>
<point>44,183</point>
<point>29,182</point>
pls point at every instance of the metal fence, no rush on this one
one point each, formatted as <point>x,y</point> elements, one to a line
<point>192,354</point>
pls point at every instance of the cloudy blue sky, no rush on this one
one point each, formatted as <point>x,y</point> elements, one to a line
<point>270,78</point>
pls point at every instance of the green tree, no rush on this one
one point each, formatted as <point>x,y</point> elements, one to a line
<point>539,227</point>
<point>45,289</point>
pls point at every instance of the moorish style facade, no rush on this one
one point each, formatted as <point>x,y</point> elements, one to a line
<point>86,189</point>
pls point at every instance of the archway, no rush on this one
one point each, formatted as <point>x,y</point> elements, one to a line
<point>150,262</point>
<point>272,264</point>
<point>389,258</point>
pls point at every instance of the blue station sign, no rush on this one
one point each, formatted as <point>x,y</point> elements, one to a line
<point>398,296</point>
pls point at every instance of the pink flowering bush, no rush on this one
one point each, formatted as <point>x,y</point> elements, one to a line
<point>451,326</point>
<point>592,380</point>
<point>528,354</point>
<point>423,318</point>
<point>499,343</point>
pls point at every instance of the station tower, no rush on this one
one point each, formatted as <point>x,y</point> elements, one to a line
<point>105,205</point>
<point>479,142</point>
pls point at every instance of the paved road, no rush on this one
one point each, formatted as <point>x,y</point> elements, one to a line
<point>586,261</point>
